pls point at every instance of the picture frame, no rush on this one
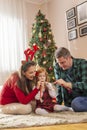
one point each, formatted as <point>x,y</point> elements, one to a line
<point>72,34</point>
<point>71,23</point>
<point>81,13</point>
<point>70,13</point>
<point>83,30</point>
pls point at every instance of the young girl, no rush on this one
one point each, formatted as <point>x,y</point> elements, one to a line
<point>46,97</point>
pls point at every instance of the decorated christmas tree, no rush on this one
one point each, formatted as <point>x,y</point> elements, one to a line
<point>42,38</point>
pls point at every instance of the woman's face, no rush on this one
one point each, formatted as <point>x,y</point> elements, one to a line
<point>30,73</point>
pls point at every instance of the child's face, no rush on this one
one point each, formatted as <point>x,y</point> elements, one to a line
<point>42,77</point>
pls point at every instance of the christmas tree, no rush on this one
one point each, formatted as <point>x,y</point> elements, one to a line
<point>43,38</point>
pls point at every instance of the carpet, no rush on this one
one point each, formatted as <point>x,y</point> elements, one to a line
<point>31,120</point>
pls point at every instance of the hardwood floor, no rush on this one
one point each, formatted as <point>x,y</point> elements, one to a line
<point>79,126</point>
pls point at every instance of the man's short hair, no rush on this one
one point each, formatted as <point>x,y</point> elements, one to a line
<point>62,52</point>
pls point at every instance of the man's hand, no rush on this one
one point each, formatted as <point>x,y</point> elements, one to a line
<point>64,84</point>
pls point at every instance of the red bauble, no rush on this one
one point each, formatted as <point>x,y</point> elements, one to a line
<point>44,53</point>
<point>50,68</point>
<point>44,29</point>
<point>41,39</point>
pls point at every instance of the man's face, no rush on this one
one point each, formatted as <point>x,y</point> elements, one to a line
<point>64,63</point>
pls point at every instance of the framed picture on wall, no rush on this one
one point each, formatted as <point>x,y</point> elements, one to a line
<point>70,13</point>
<point>71,23</point>
<point>83,31</point>
<point>82,13</point>
<point>72,34</point>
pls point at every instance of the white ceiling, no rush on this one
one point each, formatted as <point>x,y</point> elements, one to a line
<point>37,1</point>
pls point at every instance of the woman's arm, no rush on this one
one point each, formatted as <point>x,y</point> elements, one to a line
<point>37,97</point>
<point>22,98</point>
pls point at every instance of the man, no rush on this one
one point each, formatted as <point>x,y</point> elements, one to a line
<point>79,104</point>
<point>71,75</point>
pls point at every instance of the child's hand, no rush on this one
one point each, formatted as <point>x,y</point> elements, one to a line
<point>40,84</point>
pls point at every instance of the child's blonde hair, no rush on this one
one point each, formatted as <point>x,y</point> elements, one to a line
<point>40,70</point>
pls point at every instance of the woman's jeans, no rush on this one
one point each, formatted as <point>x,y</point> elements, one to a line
<point>79,104</point>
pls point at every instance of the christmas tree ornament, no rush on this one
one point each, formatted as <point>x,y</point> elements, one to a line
<point>50,32</point>
<point>45,46</point>
<point>44,29</point>
<point>35,47</point>
<point>33,31</point>
<point>45,37</point>
<point>48,44</point>
<point>50,68</point>
<point>53,78</point>
<point>44,53</point>
<point>40,39</point>
<point>44,62</point>
<point>40,35</point>
<point>49,40</point>
<point>42,21</point>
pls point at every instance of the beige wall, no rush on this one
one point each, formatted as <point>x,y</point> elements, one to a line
<point>31,11</point>
<point>57,15</point>
<point>55,11</point>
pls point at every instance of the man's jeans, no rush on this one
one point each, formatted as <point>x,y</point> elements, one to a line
<point>79,104</point>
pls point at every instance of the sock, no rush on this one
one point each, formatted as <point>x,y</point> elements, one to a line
<point>61,108</point>
<point>41,111</point>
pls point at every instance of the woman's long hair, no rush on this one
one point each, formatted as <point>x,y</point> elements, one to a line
<point>23,83</point>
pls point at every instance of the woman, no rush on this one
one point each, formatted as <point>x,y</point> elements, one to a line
<point>18,93</point>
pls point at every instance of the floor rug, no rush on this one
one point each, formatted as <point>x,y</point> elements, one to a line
<point>31,120</point>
